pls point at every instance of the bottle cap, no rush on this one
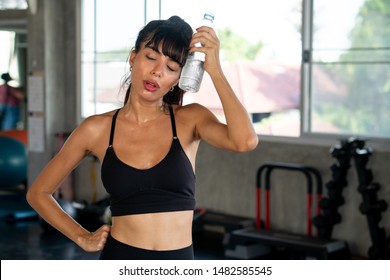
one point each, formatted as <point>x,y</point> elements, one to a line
<point>208,16</point>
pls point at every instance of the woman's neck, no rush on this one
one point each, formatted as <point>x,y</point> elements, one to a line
<point>143,113</point>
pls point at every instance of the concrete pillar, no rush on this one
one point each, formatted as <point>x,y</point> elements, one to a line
<point>52,32</point>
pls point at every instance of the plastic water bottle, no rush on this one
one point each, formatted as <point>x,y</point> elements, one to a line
<point>192,72</point>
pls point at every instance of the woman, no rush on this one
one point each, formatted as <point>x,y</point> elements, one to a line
<point>147,149</point>
<point>10,100</point>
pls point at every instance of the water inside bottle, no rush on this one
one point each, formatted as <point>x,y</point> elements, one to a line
<point>191,76</point>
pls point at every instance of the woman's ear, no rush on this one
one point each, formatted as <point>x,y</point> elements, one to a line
<point>132,57</point>
<point>176,83</point>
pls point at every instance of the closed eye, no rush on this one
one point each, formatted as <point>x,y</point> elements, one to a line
<point>173,69</point>
<point>150,58</point>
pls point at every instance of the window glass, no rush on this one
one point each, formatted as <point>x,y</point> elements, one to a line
<point>261,56</point>
<point>107,39</point>
<point>350,84</point>
<point>7,47</point>
<point>13,5</point>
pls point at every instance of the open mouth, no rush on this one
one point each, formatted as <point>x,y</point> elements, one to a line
<point>150,85</point>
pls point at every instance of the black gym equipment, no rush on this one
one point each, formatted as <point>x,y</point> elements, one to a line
<point>211,229</point>
<point>308,172</point>
<point>348,150</point>
<point>257,242</point>
<point>330,204</point>
<point>248,242</point>
<point>371,206</point>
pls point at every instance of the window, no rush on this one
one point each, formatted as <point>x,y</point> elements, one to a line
<point>106,41</point>
<point>300,67</point>
<point>350,73</point>
<point>261,56</point>
<point>13,5</point>
<point>7,39</point>
<point>264,73</point>
<point>12,56</point>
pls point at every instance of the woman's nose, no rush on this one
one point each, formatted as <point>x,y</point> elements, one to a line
<point>157,69</point>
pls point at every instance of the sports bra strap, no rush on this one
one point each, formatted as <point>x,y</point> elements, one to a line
<point>116,114</point>
<point>172,121</point>
<point>113,128</point>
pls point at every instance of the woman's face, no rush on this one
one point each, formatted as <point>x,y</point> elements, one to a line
<point>153,73</point>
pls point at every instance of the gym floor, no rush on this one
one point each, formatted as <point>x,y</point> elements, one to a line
<point>24,238</point>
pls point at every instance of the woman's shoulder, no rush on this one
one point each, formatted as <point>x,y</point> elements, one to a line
<point>99,119</point>
<point>93,133</point>
<point>191,109</point>
<point>97,124</point>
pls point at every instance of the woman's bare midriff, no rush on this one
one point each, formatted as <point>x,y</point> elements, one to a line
<point>154,231</point>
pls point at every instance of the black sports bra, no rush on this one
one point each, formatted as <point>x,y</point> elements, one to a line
<point>167,186</point>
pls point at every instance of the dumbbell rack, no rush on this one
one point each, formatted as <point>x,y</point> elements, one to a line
<point>354,149</point>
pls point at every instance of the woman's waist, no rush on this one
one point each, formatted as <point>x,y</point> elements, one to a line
<point>154,231</point>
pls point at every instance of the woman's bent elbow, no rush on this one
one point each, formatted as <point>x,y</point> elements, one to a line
<point>249,145</point>
<point>29,197</point>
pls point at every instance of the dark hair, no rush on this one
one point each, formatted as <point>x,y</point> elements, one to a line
<point>6,77</point>
<point>174,36</point>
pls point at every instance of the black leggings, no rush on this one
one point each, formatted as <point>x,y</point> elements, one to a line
<point>116,250</point>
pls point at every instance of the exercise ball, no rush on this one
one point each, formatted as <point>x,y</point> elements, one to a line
<point>17,134</point>
<point>13,162</point>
